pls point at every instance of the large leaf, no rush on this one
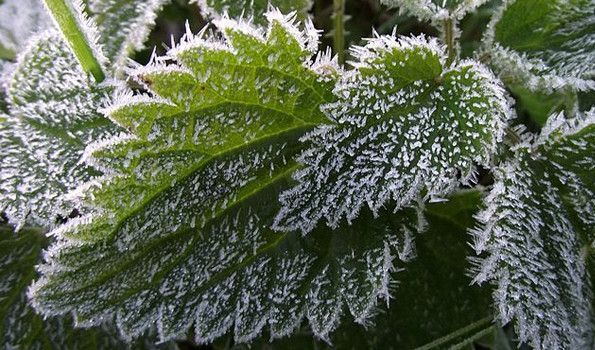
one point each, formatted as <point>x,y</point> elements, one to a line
<point>254,9</point>
<point>53,116</point>
<point>433,305</point>
<point>436,10</point>
<point>20,327</point>
<point>406,126</point>
<point>536,231</point>
<point>123,25</point>
<point>182,233</point>
<point>544,44</point>
<point>19,20</point>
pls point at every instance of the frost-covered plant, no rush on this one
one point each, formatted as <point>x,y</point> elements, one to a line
<point>247,186</point>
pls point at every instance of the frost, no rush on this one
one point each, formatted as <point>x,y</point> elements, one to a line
<point>53,115</point>
<point>436,10</point>
<point>255,9</point>
<point>20,20</point>
<point>544,45</point>
<point>405,126</point>
<point>537,218</point>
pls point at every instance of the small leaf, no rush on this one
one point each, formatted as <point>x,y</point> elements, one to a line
<point>436,10</point>
<point>544,44</point>
<point>406,126</point>
<point>254,9</point>
<point>535,230</point>
<point>53,116</point>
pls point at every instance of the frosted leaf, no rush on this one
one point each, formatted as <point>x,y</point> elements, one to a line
<point>20,326</point>
<point>537,220</point>
<point>53,116</point>
<point>405,126</point>
<point>254,9</point>
<point>123,25</point>
<point>20,20</point>
<point>545,45</point>
<point>435,10</point>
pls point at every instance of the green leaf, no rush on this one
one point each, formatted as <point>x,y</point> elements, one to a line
<point>540,106</point>
<point>123,25</point>
<point>181,235</point>
<point>433,306</point>
<point>20,20</point>
<point>254,9</point>
<point>406,127</point>
<point>535,233</point>
<point>436,10</point>
<point>544,44</point>
<point>20,327</point>
<point>53,116</point>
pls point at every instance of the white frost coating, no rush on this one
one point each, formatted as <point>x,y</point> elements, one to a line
<point>435,10</point>
<point>45,135</point>
<point>568,63</point>
<point>253,9</point>
<point>20,20</point>
<point>530,238</point>
<point>88,28</point>
<point>397,133</point>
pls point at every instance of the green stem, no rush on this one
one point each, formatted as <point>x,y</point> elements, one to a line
<point>74,34</point>
<point>448,30</point>
<point>339,29</point>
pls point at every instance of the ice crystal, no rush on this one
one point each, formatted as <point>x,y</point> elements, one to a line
<point>537,218</point>
<point>53,116</point>
<point>254,9</point>
<point>436,10</point>
<point>545,45</point>
<point>405,125</point>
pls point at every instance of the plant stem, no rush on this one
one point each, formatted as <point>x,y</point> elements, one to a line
<point>448,30</point>
<point>339,29</point>
<point>74,34</point>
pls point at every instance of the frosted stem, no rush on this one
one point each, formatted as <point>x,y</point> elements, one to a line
<point>448,32</point>
<point>65,18</point>
<point>339,29</point>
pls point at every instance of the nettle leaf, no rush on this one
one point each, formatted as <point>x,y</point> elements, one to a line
<point>535,232</point>
<point>20,19</point>
<point>123,25</point>
<point>543,44</point>
<point>53,116</point>
<point>406,126</point>
<point>254,9</point>
<point>435,10</point>
<point>182,233</point>
<point>20,327</point>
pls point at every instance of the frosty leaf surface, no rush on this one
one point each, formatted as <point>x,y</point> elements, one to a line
<point>123,25</point>
<point>53,116</point>
<point>20,326</point>
<point>535,233</point>
<point>20,20</point>
<point>405,127</point>
<point>435,10</point>
<point>546,45</point>
<point>252,8</point>
<point>182,237</point>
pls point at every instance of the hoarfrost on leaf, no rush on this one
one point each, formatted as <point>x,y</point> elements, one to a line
<point>538,218</point>
<point>181,235</point>
<point>254,9</point>
<point>406,126</point>
<point>53,116</point>
<point>545,45</point>
<point>436,10</point>
<point>20,20</point>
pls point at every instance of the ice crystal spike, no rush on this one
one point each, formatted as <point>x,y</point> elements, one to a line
<point>20,326</point>
<point>405,125</point>
<point>253,9</point>
<point>531,235</point>
<point>544,45</point>
<point>53,116</point>
<point>435,10</point>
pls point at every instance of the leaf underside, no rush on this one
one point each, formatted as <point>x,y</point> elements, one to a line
<point>53,116</point>
<point>534,233</point>
<point>545,44</point>
<point>182,235</point>
<point>406,127</point>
